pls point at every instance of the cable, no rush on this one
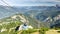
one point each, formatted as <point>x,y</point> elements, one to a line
<point>5,2</point>
<point>10,7</point>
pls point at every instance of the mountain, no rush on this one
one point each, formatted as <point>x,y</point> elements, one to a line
<point>17,20</point>
<point>47,15</point>
<point>6,11</point>
<point>42,15</point>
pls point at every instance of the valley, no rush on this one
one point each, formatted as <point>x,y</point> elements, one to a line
<point>37,16</point>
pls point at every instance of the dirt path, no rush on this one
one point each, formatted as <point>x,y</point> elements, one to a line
<point>52,31</point>
<point>35,33</point>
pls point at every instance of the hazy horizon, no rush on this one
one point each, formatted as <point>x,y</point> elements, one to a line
<point>29,2</point>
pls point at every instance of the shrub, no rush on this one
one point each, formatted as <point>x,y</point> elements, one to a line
<point>43,30</point>
<point>29,31</point>
<point>58,31</point>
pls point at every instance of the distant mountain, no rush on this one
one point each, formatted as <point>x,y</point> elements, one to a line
<point>6,11</point>
<point>10,10</point>
<point>46,15</point>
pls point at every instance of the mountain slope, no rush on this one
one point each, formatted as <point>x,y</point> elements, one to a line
<point>34,14</point>
<point>48,16</point>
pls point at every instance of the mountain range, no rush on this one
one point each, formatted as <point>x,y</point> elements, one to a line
<point>46,15</point>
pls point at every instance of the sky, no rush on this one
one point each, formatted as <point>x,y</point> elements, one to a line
<point>30,2</point>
